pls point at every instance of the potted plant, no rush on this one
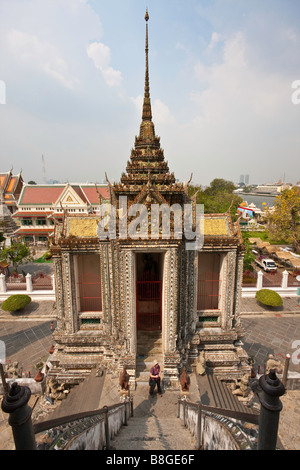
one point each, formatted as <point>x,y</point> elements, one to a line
<point>39,377</point>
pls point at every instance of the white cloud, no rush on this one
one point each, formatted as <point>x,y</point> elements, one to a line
<point>138,103</point>
<point>234,87</point>
<point>161,113</point>
<point>42,56</point>
<point>215,38</point>
<point>101,56</point>
<point>291,35</point>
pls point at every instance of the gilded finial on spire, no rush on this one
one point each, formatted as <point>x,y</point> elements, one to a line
<point>147,113</point>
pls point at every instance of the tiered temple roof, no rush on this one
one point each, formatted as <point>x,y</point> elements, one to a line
<point>7,224</point>
<point>11,185</point>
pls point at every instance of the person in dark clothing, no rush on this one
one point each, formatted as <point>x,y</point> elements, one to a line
<point>155,378</point>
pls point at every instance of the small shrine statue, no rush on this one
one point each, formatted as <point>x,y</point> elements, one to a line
<point>200,364</point>
<point>124,379</point>
<point>14,371</point>
<point>185,381</point>
<point>243,389</point>
<point>55,390</point>
<point>273,363</point>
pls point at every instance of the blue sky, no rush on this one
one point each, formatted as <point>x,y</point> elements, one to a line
<point>221,74</point>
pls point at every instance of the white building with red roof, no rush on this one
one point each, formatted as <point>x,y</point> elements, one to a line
<point>40,206</point>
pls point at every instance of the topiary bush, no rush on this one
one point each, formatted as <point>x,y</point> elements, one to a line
<point>47,255</point>
<point>269,297</point>
<point>15,302</point>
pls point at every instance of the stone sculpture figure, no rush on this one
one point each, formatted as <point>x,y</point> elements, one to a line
<point>124,379</point>
<point>200,364</point>
<point>273,363</point>
<point>55,390</point>
<point>14,371</point>
<point>185,381</point>
<point>242,389</point>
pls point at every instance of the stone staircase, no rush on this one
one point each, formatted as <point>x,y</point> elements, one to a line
<point>149,347</point>
<point>154,425</point>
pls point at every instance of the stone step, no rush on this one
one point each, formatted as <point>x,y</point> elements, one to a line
<point>154,351</point>
<point>147,362</point>
<point>146,343</point>
<point>149,333</point>
<point>149,339</point>
<point>142,376</point>
<point>154,433</point>
<point>147,347</point>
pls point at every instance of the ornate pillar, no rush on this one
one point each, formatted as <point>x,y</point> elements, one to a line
<point>192,289</point>
<point>228,280</point>
<point>59,291</point>
<point>106,288</point>
<point>128,308</point>
<point>170,320</point>
<point>71,315</point>
<point>238,289</point>
<point>130,302</point>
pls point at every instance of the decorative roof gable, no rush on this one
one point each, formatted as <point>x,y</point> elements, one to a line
<point>71,198</point>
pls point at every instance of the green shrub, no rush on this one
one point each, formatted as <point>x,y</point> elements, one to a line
<point>269,297</point>
<point>15,302</point>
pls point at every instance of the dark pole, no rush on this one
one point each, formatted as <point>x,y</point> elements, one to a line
<point>286,369</point>
<point>131,406</point>
<point>270,410</point>
<point>198,434</point>
<point>16,404</point>
<point>5,385</point>
<point>106,427</point>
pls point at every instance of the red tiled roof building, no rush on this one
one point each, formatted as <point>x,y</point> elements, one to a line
<point>40,207</point>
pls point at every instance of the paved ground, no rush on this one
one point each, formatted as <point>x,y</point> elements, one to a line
<point>28,338</point>
<point>28,335</point>
<point>273,335</point>
<point>251,307</point>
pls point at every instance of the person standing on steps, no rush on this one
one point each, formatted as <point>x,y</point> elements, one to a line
<point>155,378</point>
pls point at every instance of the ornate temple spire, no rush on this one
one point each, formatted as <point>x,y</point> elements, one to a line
<point>147,131</point>
<point>147,112</point>
<point>147,163</point>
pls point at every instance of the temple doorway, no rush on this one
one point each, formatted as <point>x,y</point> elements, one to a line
<point>149,272</point>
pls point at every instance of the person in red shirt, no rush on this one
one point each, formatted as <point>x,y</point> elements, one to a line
<point>155,378</point>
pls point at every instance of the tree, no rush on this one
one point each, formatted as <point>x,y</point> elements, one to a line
<point>219,185</point>
<point>17,253</point>
<point>218,197</point>
<point>284,220</point>
<point>248,257</point>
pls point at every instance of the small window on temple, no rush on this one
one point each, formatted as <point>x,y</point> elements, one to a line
<point>209,282</point>
<point>89,283</point>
